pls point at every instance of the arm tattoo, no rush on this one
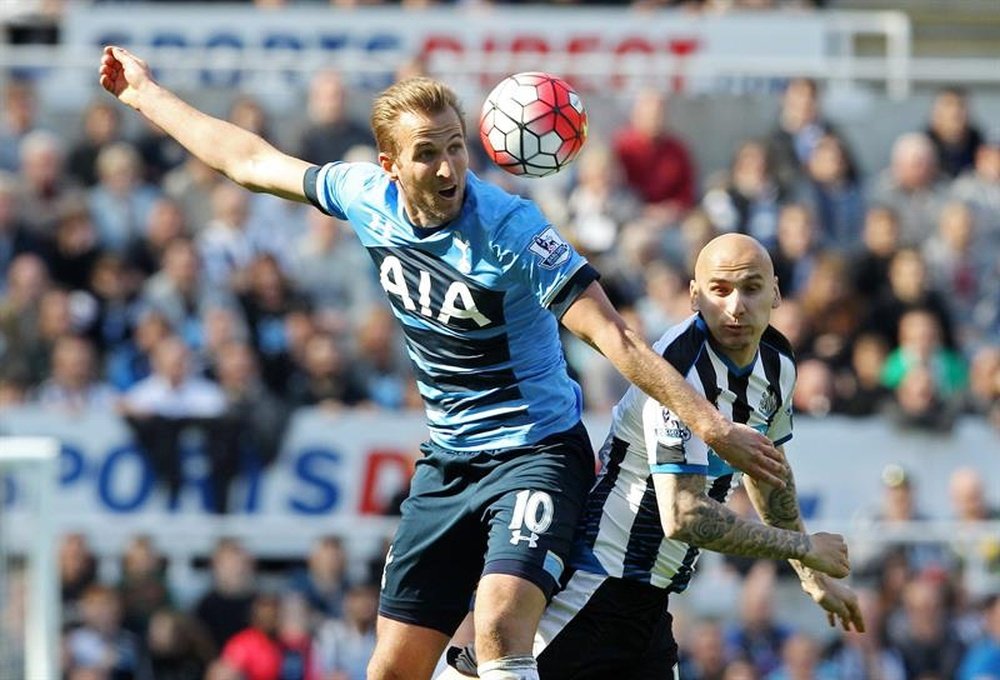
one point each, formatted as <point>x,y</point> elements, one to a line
<point>711,525</point>
<point>781,508</point>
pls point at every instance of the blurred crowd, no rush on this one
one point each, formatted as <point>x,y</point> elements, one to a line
<point>932,608</point>
<point>134,279</point>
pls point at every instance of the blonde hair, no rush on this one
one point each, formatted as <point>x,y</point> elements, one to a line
<point>415,95</point>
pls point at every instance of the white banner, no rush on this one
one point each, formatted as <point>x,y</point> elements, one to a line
<point>283,45</point>
<point>350,465</point>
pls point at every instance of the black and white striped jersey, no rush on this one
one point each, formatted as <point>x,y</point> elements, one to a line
<point>620,533</point>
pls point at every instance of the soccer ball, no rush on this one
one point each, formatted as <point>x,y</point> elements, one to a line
<point>533,124</point>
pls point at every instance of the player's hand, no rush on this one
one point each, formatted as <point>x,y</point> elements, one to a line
<point>828,554</point>
<point>748,450</point>
<point>839,601</point>
<point>122,74</point>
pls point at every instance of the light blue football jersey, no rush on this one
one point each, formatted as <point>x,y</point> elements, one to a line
<point>478,299</point>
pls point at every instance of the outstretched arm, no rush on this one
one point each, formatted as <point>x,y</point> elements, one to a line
<point>242,156</point>
<point>779,507</point>
<point>593,319</point>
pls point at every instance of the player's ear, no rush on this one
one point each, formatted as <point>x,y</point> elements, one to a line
<point>388,164</point>
<point>693,292</point>
<point>777,295</point>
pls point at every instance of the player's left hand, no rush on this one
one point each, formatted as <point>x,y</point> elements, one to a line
<point>837,598</point>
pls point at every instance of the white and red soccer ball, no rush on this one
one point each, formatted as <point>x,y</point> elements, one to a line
<point>533,124</point>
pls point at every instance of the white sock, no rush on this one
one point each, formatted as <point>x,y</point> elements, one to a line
<point>509,668</point>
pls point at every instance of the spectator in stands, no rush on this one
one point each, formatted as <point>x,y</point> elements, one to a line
<point>833,194</point>
<point>705,657</point>
<point>331,268</point>
<point>180,293</point>
<point>800,660</point>
<point>982,660</point>
<point>121,202</point>
<point>790,319</point>
<point>869,261</point>
<point>165,223</point>
<point>969,503</point>
<point>114,296</point>
<point>101,129</point>
<point>929,645</point>
<point>918,403</point>
<point>44,183</point>
<point>17,120</point>
<point>831,310</point>
<point>920,345</point>
<point>748,199</point>
<point>171,400</point>
<point>600,205</point>
<point>330,131</point>
<point>794,256</point>
<point>984,383</point>
<point>859,388</point>
<point>131,361</point>
<point>381,361</point>
<point>55,320</point>
<point>657,164</point>
<point>912,186</point>
<point>324,580</point>
<point>160,153</point>
<point>801,127</point>
<point>903,558</point>
<point>253,426</point>
<point>909,287</point>
<point>757,636</point>
<point>326,378</point>
<point>179,648</point>
<point>74,385</point>
<point>868,655</point>
<point>231,240</point>
<point>664,300</point>
<point>192,185</point>
<point>143,585</point>
<point>77,565</point>
<point>27,281</point>
<point>814,389</point>
<point>955,139</point>
<point>979,188</point>
<point>954,265</point>
<point>100,642</point>
<point>73,249</point>
<point>259,652</point>
<point>225,609</point>
<point>343,646</point>
<point>14,236</point>
<point>267,299</point>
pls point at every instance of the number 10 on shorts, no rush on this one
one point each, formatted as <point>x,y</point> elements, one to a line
<point>533,512</point>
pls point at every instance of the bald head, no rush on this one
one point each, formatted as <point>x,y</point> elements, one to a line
<point>733,251</point>
<point>734,289</point>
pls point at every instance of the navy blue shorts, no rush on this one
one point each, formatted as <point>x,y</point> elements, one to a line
<point>511,511</point>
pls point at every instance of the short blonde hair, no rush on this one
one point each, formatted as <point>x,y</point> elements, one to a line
<point>415,95</point>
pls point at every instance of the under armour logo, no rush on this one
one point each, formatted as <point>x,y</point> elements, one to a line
<point>516,537</point>
<point>381,225</point>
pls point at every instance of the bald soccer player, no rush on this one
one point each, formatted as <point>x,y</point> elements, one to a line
<point>660,494</point>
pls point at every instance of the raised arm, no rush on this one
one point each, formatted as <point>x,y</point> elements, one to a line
<point>779,507</point>
<point>594,320</point>
<point>244,157</point>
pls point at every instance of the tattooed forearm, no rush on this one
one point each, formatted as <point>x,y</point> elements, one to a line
<point>781,509</point>
<point>711,525</point>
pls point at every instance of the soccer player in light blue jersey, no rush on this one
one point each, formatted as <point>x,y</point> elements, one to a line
<point>479,282</point>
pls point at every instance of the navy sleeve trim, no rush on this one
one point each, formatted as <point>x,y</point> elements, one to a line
<point>309,182</point>
<point>572,289</point>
